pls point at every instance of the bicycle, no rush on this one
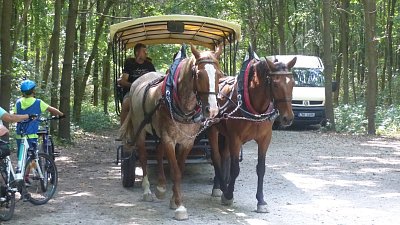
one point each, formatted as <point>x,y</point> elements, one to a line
<point>7,189</point>
<point>40,173</point>
<point>47,145</point>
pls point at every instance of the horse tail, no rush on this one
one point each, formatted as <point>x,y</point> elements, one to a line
<point>126,130</point>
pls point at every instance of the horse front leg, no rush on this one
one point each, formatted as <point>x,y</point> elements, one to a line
<point>234,147</point>
<point>162,183</point>
<point>216,159</point>
<point>262,206</point>
<point>140,143</point>
<point>176,176</point>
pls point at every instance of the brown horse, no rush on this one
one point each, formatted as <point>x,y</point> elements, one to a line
<point>174,110</point>
<point>250,105</point>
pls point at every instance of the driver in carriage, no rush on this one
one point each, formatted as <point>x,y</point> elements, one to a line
<point>133,68</point>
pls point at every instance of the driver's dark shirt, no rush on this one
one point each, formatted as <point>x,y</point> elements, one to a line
<point>135,70</point>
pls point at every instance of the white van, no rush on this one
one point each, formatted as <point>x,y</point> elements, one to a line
<point>309,92</point>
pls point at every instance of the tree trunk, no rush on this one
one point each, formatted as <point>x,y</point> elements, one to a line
<point>64,129</point>
<point>328,62</point>
<point>271,32</point>
<point>252,23</point>
<point>81,59</point>
<point>390,49</point>
<point>362,58</point>
<point>345,49</point>
<point>46,69</point>
<point>27,3</point>
<point>106,81</point>
<point>55,70</point>
<point>371,62</point>
<point>281,27</point>
<point>6,55</point>
<point>353,61</point>
<point>88,69</point>
<point>26,39</point>
<point>338,68</point>
<point>96,82</point>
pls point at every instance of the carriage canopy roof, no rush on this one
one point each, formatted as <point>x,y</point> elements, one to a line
<point>175,29</point>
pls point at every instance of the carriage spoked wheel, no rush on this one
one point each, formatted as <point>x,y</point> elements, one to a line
<point>128,167</point>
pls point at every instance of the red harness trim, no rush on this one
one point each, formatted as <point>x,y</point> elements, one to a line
<point>247,96</point>
<point>175,95</point>
<point>246,90</point>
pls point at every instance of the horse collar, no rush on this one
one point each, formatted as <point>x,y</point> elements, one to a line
<point>171,97</point>
<point>243,91</point>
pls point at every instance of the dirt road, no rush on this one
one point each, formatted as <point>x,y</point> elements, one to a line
<point>311,178</point>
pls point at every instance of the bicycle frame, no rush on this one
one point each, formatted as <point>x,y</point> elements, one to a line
<point>10,174</point>
<point>23,156</point>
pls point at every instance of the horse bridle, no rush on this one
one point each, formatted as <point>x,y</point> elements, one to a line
<point>279,73</point>
<point>194,73</point>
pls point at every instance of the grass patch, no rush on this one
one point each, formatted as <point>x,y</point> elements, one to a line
<point>93,119</point>
<point>352,119</point>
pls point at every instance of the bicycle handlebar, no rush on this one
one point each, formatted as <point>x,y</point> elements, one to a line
<point>44,119</point>
<point>41,119</point>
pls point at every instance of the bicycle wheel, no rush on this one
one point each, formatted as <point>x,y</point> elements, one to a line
<point>48,147</point>
<point>51,149</point>
<point>7,199</point>
<point>41,190</point>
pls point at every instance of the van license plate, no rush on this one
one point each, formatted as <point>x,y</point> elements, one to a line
<point>306,114</point>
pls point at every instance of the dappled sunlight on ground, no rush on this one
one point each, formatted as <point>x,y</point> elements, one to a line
<point>311,178</point>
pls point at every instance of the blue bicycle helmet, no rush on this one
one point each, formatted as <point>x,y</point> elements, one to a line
<point>27,85</point>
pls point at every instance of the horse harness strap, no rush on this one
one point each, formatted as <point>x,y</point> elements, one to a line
<point>231,82</point>
<point>281,73</point>
<point>244,100</point>
<point>198,61</point>
<point>148,116</point>
<point>171,98</point>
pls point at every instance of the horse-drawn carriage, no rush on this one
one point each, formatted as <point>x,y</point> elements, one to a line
<point>170,29</point>
<point>237,109</point>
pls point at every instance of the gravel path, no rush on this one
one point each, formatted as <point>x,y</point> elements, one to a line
<point>311,178</point>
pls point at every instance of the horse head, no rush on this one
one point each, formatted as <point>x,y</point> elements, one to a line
<point>206,74</point>
<point>280,81</point>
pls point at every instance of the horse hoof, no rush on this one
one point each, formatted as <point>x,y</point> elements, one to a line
<point>181,213</point>
<point>226,201</point>
<point>262,208</point>
<point>148,197</point>
<point>160,193</point>
<point>172,204</point>
<point>216,193</point>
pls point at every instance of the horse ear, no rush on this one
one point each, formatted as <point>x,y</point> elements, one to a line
<point>271,65</point>
<point>218,51</point>
<point>195,52</point>
<point>292,63</point>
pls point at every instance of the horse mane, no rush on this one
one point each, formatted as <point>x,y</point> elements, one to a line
<point>261,67</point>
<point>187,66</point>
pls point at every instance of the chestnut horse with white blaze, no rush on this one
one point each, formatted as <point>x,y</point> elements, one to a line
<point>250,104</point>
<point>173,108</point>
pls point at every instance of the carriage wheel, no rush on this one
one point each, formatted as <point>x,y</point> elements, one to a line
<point>128,167</point>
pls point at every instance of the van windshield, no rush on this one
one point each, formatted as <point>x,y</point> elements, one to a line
<point>307,77</point>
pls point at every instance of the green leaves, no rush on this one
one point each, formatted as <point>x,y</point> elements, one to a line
<point>351,119</point>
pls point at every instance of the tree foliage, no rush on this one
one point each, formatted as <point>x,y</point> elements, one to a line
<point>273,27</point>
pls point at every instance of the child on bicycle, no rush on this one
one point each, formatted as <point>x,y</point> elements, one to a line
<point>28,104</point>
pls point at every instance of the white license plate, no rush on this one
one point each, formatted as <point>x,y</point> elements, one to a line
<point>306,114</point>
